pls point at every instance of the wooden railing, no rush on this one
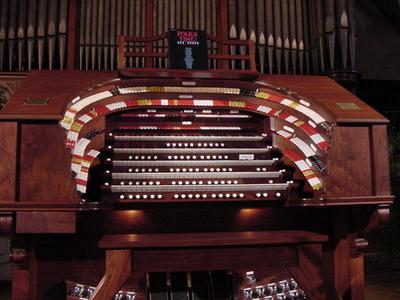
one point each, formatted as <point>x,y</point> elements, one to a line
<point>152,52</point>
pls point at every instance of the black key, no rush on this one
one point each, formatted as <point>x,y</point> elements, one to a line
<point>158,286</point>
<point>179,288</point>
<point>200,286</point>
<point>220,285</point>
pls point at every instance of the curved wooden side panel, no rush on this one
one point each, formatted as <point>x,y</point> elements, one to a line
<point>118,269</point>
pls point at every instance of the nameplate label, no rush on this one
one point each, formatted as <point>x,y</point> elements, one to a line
<point>348,106</point>
<point>246,156</point>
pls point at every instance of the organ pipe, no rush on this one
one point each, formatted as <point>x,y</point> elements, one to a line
<point>291,36</point>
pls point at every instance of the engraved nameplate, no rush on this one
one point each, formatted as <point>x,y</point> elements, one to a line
<point>348,106</point>
<point>246,156</point>
<point>36,101</point>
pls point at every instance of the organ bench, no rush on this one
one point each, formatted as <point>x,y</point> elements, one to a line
<point>189,185</point>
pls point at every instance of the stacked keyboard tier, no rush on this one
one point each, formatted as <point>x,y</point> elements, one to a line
<point>192,155</point>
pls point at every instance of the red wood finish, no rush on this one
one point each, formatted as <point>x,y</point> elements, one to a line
<point>211,258</point>
<point>222,31</point>
<point>118,269</point>
<point>20,284</point>
<point>59,87</point>
<point>209,239</point>
<point>211,74</point>
<point>328,93</point>
<point>356,183</point>
<point>223,56</point>
<point>49,165</point>
<point>357,277</point>
<point>350,157</point>
<point>380,160</point>
<point>6,223</point>
<point>8,170</point>
<point>45,222</point>
<point>221,250</point>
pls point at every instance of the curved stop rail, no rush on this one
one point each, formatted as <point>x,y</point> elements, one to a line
<point>155,48</point>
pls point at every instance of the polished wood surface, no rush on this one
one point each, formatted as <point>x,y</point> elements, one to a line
<point>48,165</point>
<point>203,239</point>
<point>350,158</point>
<point>380,160</point>
<point>328,93</point>
<point>45,222</point>
<point>64,86</point>
<point>188,236</point>
<point>118,269</point>
<point>8,171</point>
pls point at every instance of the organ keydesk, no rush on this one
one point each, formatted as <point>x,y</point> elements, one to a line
<point>178,184</point>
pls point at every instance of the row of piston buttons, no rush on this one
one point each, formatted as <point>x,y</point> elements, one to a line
<point>85,292</point>
<point>191,196</point>
<point>270,289</point>
<point>150,170</point>
<point>292,295</point>
<point>176,157</point>
<point>130,196</point>
<point>193,145</point>
<point>204,196</point>
<point>183,196</point>
<point>209,157</point>
<point>200,182</point>
<point>177,170</point>
<point>82,291</point>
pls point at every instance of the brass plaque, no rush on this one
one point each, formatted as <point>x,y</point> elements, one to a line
<point>37,101</point>
<point>348,105</point>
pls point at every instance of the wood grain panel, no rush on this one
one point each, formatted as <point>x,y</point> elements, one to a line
<point>380,160</point>
<point>8,150</point>
<point>213,258</point>
<point>349,163</point>
<point>57,86</point>
<point>45,222</point>
<point>327,92</point>
<point>118,269</point>
<point>357,278</point>
<point>45,165</point>
<point>20,284</point>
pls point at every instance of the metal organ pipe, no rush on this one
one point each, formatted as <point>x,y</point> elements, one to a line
<point>291,36</point>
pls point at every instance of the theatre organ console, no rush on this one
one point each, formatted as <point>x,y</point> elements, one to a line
<point>180,184</point>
